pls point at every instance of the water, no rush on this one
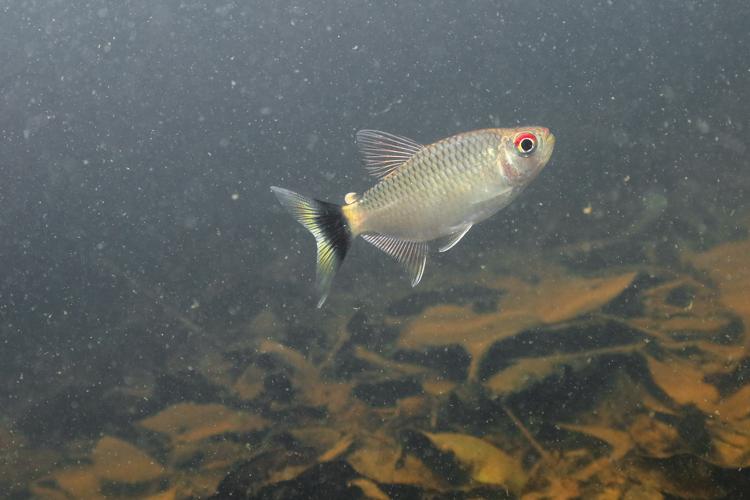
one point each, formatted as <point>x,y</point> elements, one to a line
<point>157,305</point>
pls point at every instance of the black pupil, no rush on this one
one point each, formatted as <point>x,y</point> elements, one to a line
<point>527,145</point>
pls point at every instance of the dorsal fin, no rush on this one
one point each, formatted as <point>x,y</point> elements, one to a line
<point>411,254</point>
<point>383,153</point>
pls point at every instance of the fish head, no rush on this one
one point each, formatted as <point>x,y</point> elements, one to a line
<point>526,152</point>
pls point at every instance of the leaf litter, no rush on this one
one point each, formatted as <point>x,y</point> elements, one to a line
<point>552,384</point>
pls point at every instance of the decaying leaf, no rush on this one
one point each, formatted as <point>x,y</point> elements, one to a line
<point>318,437</point>
<point>654,437</point>
<point>735,407</point>
<point>337,450</point>
<point>559,488</point>
<point>486,463</point>
<point>118,461</point>
<point>383,461</point>
<point>730,444</point>
<point>370,490</point>
<point>522,373</point>
<point>189,422</point>
<point>683,382</point>
<point>79,482</point>
<point>249,385</point>
<point>728,265</point>
<point>572,296</point>
<point>556,298</point>
<point>313,390</point>
<point>619,441</point>
<point>170,494</point>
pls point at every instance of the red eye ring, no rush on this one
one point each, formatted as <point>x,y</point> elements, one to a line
<point>525,143</point>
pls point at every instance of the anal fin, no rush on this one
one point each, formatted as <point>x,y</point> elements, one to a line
<point>454,238</point>
<point>410,254</point>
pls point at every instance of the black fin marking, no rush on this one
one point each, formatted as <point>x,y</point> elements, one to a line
<point>327,223</point>
<point>411,254</point>
<point>383,153</point>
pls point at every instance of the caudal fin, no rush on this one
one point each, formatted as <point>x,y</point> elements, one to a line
<point>327,223</point>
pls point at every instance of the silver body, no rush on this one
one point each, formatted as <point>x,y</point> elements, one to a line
<point>448,185</point>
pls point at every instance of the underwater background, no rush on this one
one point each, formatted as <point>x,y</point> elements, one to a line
<point>158,330</point>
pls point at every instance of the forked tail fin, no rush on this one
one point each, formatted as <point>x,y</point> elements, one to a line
<point>327,223</point>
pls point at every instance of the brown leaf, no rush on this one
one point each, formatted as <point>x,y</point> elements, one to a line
<point>572,296</point>
<point>558,488</point>
<point>619,441</point>
<point>79,482</point>
<point>249,385</point>
<point>319,438</point>
<point>735,407</point>
<point>118,461</point>
<point>381,460</point>
<point>190,422</point>
<point>313,390</point>
<point>558,297</point>
<point>486,463</point>
<point>654,437</point>
<point>337,450</point>
<point>683,382</point>
<point>730,444</point>
<point>728,265</point>
<point>370,490</point>
<point>521,374</point>
<point>170,494</point>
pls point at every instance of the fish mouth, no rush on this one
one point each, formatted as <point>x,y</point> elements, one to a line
<point>547,137</point>
<point>548,141</point>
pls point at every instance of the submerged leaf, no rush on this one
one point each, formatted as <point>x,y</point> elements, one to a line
<point>118,461</point>
<point>654,437</point>
<point>486,463</point>
<point>338,449</point>
<point>683,382</point>
<point>189,422</point>
<point>381,460</point>
<point>728,265</point>
<point>78,482</point>
<point>556,298</point>
<point>619,441</point>
<point>370,490</point>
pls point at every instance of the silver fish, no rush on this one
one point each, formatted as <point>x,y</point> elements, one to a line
<point>425,193</point>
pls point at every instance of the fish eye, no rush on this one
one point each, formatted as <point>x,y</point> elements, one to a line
<point>525,143</point>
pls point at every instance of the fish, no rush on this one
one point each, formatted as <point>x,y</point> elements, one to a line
<point>424,194</point>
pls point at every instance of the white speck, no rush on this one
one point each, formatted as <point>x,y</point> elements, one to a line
<point>703,126</point>
<point>235,196</point>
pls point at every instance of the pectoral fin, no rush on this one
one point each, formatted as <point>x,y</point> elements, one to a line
<point>411,254</point>
<point>454,238</point>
